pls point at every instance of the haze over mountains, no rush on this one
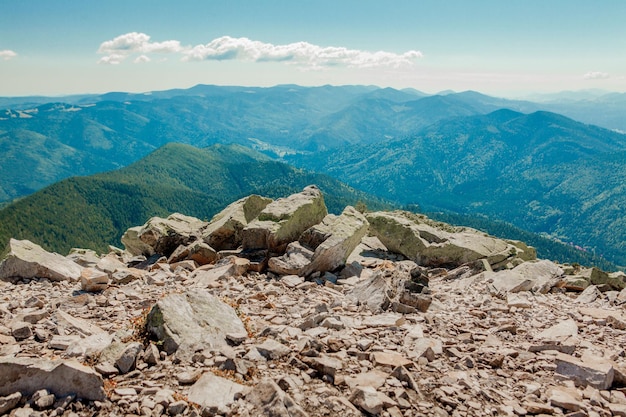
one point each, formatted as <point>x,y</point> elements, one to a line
<point>461,152</point>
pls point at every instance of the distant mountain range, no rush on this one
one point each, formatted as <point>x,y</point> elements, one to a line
<point>541,171</point>
<point>463,152</point>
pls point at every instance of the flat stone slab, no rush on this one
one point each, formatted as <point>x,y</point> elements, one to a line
<point>59,377</point>
<point>214,392</point>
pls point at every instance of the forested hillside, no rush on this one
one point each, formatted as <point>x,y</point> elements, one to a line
<point>93,212</point>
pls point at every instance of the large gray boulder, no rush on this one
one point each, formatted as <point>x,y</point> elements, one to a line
<point>225,229</point>
<point>26,259</point>
<point>59,377</point>
<point>436,244</point>
<point>342,235</point>
<point>536,276</point>
<point>191,320</point>
<point>284,220</point>
<point>165,235</point>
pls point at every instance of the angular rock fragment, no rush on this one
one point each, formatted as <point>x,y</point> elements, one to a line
<point>60,377</point>
<point>295,260</point>
<point>589,370</point>
<point>538,277</point>
<point>25,259</point>
<point>183,322</point>
<point>225,229</point>
<point>284,220</point>
<point>94,280</point>
<point>214,392</point>
<point>342,235</point>
<point>268,399</point>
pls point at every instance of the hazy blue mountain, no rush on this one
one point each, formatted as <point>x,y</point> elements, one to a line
<point>541,172</point>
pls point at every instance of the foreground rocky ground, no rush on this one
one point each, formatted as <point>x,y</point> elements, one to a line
<point>276,308</point>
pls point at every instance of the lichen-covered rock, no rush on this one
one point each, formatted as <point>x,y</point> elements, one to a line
<point>183,322</point>
<point>432,243</point>
<point>165,235</point>
<point>26,259</point>
<point>225,229</point>
<point>284,220</point>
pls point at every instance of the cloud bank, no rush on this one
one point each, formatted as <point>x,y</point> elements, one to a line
<point>7,54</point>
<point>118,49</point>
<point>302,54</point>
<point>596,75</point>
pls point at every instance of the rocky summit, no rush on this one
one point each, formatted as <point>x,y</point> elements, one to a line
<point>278,308</point>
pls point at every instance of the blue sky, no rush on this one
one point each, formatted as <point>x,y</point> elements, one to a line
<point>506,47</point>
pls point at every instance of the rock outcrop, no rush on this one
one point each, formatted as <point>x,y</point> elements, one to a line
<point>284,220</point>
<point>435,244</point>
<point>29,260</point>
<point>387,314</point>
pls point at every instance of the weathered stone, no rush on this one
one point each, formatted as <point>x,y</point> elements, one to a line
<point>374,378</point>
<point>268,399</point>
<point>9,402</point>
<point>90,347</point>
<point>81,326</point>
<point>225,229</point>
<point>60,377</point>
<point>538,277</point>
<point>370,400</point>
<point>435,244</point>
<point>226,268</point>
<point>589,295</point>
<point>214,392</point>
<point>343,234</point>
<point>28,260</point>
<point>574,283</point>
<point>202,253</point>
<point>43,399</point>
<point>284,220</point>
<point>177,407</point>
<point>596,276</point>
<point>326,365</point>
<point>86,258</point>
<point>294,261</point>
<point>94,280</point>
<point>271,349</point>
<point>589,370</point>
<point>165,235</point>
<point>374,292</point>
<point>390,359</point>
<point>134,245</point>
<point>110,264</point>
<point>566,399</point>
<point>195,318</point>
<point>21,330</point>
<point>559,332</point>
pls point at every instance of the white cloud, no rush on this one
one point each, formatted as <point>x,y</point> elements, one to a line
<point>596,75</point>
<point>142,58</point>
<point>303,54</point>
<point>7,54</point>
<point>117,50</point>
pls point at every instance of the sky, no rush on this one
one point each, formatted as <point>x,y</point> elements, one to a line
<point>507,48</point>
